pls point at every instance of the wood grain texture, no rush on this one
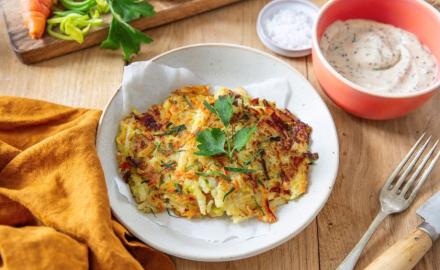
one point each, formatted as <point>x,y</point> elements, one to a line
<point>31,51</point>
<point>86,79</point>
<point>369,149</point>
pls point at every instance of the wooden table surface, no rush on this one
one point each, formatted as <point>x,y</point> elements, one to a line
<point>368,149</point>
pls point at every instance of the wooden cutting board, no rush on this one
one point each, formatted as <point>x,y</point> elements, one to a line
<point>31,51</point>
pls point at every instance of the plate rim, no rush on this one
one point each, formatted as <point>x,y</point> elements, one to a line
<point>258,250</point>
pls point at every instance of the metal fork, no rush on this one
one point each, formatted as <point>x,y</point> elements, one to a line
<point>398,193</point>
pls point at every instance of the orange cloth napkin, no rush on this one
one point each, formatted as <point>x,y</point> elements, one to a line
<point>54,209</point>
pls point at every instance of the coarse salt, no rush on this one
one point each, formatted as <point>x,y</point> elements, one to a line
<point>290,29</point>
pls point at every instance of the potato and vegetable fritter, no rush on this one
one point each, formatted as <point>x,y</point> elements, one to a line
<point>200,155</point>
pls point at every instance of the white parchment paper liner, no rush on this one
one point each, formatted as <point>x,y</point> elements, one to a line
<point>147,83</point>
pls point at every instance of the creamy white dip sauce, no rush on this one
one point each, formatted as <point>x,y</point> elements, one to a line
<point>379,57</point>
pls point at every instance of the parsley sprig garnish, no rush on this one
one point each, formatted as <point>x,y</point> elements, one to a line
<point>216,141</point>
<point>211,142</point>
<point>121,33</point>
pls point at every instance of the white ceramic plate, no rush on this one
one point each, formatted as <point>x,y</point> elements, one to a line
<point>232,65</point>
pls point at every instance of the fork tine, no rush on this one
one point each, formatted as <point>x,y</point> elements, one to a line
<point>411,165</point>
<point>422,164</point>
<point>424,177</point>
<point>403,162</point>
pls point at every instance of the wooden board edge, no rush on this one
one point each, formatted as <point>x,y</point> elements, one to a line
<point>9,38</point>
<point>62,47</point>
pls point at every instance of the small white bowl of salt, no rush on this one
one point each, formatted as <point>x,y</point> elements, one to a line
<point>285,26</point>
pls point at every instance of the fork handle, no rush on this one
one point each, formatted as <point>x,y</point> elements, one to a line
<point>352,258</point>
<point>404,254</point>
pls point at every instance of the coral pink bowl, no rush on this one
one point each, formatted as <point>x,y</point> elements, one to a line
<point>415,16</point>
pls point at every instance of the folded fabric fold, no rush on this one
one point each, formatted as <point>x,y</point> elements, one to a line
<point>54,209</point>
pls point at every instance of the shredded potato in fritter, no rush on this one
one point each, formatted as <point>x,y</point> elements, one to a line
<point>156,155</point>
